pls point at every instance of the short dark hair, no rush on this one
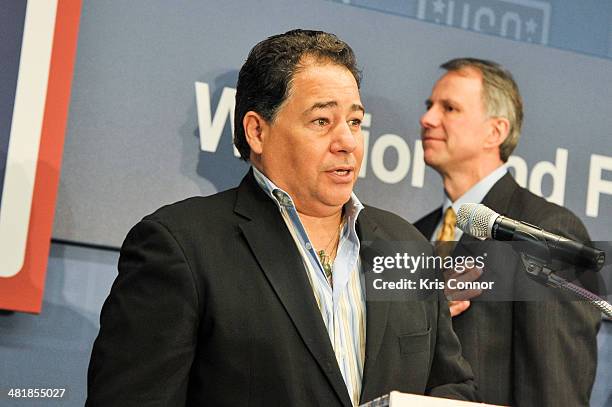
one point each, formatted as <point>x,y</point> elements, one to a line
<point>501,96</point>
<point>264,81</point>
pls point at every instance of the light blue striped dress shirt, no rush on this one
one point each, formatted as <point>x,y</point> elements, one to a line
<point>342,305</point>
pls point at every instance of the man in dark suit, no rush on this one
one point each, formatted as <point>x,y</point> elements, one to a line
<point>523,353</point>
<point>254,296</point>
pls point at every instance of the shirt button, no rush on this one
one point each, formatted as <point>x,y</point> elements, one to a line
<point>308,246</point>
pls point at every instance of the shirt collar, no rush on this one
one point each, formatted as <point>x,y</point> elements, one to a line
<point>477,193</point>
<point>283,200</point>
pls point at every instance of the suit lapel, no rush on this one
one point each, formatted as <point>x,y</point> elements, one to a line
<point>500,195</point>
<point>427,225</point>
<point>498,199</point>
<point>376,311</point>
<point>280,261</point>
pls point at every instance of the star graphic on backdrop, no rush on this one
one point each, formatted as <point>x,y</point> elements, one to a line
<point>531,26</point>
<point>439,6</point>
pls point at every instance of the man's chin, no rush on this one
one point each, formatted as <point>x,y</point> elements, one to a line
<point>430,161</point>
<point>337,199</point>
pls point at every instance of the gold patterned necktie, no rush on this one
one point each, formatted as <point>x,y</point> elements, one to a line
<point>447,234</point>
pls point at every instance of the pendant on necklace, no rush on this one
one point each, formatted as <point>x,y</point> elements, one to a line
<point>327,267</point>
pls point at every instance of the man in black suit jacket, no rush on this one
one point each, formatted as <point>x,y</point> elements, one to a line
<point>218,299</point>
<point>523,353</point>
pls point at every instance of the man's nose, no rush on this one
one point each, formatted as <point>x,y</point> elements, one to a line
<point>345,139</point>
<point>430,119</point>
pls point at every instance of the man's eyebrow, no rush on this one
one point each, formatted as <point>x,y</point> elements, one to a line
<point>332,103</point>
<point>357,107</point>
<point>321,105</point>
<point>446,101</point>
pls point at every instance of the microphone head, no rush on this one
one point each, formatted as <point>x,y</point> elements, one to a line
<point>476,220</point>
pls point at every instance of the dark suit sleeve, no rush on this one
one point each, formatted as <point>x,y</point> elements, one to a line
<point>555,351</point>
<point>148,325</point>
<point>451,375</point>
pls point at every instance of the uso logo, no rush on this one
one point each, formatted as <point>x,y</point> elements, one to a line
<point>520,20</point>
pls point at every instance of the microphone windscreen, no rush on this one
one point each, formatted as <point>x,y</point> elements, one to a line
<point>476,220</point>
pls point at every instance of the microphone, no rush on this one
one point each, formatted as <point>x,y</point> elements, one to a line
<point>482,222</point>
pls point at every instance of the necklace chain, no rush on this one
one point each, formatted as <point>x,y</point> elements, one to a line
<point>325,258</point>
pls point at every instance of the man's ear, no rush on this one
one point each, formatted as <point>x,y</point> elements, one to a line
<point>500,128</point>
<point>254,129</point>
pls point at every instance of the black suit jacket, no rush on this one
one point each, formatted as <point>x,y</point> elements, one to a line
<point>212,306</point>
<point>528,353</point>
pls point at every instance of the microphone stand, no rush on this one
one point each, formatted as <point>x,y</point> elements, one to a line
<point>541,272</point>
